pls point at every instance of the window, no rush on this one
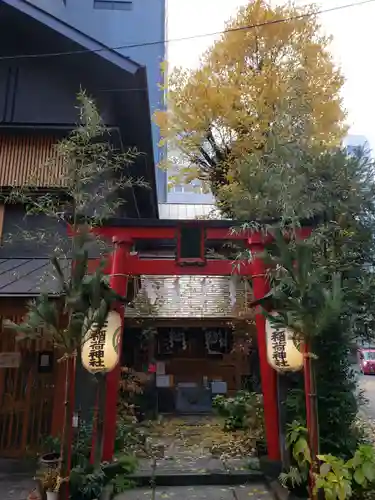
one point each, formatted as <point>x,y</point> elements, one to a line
<point>197,186</point>
<point>178,188</point>
<point>113,5</point>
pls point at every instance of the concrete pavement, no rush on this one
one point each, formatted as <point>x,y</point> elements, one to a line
<point>16,486</point>
<point>253,492</point>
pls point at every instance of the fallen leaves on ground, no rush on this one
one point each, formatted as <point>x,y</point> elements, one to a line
<point>205,435</point>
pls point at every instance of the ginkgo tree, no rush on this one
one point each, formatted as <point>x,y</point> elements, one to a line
<point>271,73</point>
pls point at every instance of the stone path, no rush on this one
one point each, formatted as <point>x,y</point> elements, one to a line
<point>15,487</point>
<point>191,437</point>
<point>186,459</point>
<point>200,466</point>
<point>252,492</point>
<point>194,447</point>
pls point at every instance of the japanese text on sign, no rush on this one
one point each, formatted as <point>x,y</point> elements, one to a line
<point>97,344</point>
<point>278,339</point>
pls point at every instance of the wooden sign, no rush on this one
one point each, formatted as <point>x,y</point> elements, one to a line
<point>10,359</point>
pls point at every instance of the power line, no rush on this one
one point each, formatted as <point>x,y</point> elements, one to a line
<point>187,38</point>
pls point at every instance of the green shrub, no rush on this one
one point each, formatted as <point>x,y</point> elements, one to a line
<point>127,438</point>
<point>81,447</point>
<point>87,483</point>
<point>336,478</point>
<point>297,442</point>
<point>243,411</point>
<point>336,392</point>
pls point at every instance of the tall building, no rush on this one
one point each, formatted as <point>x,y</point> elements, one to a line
<point>183,192</point>
<point>124,26</point>
<point>192,193</point>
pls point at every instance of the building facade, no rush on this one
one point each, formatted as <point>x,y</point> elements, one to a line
<point>354,143</point>
<point>133,28</point>
<point>188,193</point>
<point>38,107</point>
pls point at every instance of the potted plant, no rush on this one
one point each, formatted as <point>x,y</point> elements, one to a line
<point>50,461</point>
<point>50,457</point>
<point>51,481</point>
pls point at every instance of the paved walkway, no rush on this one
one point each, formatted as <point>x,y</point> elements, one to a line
<point>197,447</point>
<point>252,492</point>
<point>20,489</point>
<point>184,461</point>
<point>15,487</point>
<point>194,441</point>
<point>198,464</point>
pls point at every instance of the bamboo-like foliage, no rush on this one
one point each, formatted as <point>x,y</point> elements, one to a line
<point>316,302</point>
<point>95,175</point>
<point>307,300</point>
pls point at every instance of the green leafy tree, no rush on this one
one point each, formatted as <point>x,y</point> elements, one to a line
<point>91,175</point>
<point>293,183</point>
<point>312,303</point>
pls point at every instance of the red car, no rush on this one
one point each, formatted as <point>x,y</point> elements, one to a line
<point>367,361</point>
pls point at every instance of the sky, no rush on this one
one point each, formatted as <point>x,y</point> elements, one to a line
<point>352,28</point>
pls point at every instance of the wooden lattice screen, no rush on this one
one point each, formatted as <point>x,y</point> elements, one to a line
<point>26,397</point>
<point>24,161</point>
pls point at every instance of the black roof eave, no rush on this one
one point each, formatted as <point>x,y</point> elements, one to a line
<point>86,42</point>
<point>150,193</point>
<point>122,72</point>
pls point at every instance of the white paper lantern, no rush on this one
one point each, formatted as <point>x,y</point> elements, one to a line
<point>282,353</point>
<point>100,348</point>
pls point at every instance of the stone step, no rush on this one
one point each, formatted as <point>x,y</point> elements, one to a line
<point>197,471</point>
<point>176,478</point>
<point>256,491</point>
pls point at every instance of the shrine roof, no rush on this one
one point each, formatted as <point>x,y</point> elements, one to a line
<point>28,277</point>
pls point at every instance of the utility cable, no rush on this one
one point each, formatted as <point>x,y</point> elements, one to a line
<point>192,37</point>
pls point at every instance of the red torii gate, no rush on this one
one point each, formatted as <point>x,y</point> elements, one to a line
<point>125,232</point>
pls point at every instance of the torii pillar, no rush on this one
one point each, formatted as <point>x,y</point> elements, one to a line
<point>119,283</point>
<point>268,374</point>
